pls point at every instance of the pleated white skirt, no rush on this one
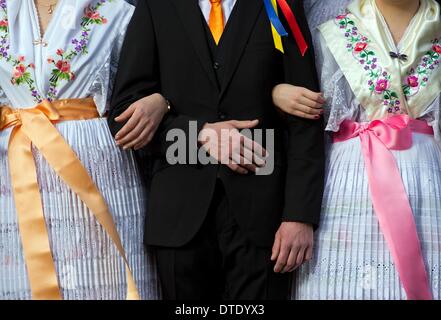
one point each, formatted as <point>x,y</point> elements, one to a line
<point>88,264</point>
<point>352,260</point>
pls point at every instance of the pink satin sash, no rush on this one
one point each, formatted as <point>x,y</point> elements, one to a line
<point>389,197</point>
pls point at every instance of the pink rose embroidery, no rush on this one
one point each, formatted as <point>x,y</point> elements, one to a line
<point>412,81</point>
<point>381,86</point>
<point>19,71</point>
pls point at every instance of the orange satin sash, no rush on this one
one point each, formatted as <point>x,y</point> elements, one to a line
<point>35,127</point>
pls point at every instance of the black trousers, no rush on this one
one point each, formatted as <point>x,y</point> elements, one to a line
<point>220,263</point>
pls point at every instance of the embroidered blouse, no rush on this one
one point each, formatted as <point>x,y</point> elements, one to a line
<point>75,58</point>
<point>360,78</point>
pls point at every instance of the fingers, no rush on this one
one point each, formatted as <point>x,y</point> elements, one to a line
<point>300,259</point>
<point>139,139</point>
<point>236,168</point>
<point>244,124</point>
<point>282,259</point>
<point>297,257</point>
<point>253,152</point>
<point>127,139</point>
<point>255,147</point>
<point>126,114</point>
<point>128,127</point>
<point>294,247</point>
<point>291,264</point>
<point>242,162</point>
<point>315,113</point>
<point>276,247</point>
<point>245,153</point>
<point>149,138</point>
<point>304,115</point>
<point>307,106</point>
<point>313,106</point>
<point>304,255</point>
<point>314,96</point>
<point>309,253</point>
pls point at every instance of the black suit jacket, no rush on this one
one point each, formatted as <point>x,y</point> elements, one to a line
<point>167,51</point>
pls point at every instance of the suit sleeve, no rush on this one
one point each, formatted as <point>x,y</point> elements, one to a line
<point>305,145</point>
<point>139,76</point>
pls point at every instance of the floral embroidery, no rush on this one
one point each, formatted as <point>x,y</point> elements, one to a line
<point>419,77</point>
<point>20,71</point>
<point>379,80</point>
<point>62,65</point>
<point>4,22</point>
<point>4,30</point>
<point>62,70</point>
<point>21,75</point>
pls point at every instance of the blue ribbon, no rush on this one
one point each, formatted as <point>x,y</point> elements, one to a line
<point>274,18</point>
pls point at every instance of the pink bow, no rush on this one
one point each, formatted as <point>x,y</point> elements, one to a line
<point>389,197</point>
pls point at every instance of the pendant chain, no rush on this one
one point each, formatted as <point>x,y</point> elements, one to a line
<point>50,11</point>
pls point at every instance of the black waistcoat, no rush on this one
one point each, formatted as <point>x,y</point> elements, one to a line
<point>218,51</point>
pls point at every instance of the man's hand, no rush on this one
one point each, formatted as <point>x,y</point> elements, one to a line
<point>293,246</point>
<point>238,152</point>
<point>143,118</point>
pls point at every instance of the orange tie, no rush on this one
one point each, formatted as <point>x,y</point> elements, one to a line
<point>216,20</point>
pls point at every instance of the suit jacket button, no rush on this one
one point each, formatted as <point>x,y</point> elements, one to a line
<point>222,116</point>
<point>216,66</point>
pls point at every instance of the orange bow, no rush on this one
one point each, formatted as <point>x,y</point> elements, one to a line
<point>35,127</point>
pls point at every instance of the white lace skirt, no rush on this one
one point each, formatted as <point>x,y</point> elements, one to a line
<point>352,260</point>
<point>87,262</point>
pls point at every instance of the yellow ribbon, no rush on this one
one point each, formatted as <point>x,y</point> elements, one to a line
<point>35,127</point>
<point>277,38</point>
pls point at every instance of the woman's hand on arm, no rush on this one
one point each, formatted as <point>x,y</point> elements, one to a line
<point>142,119</point>
<point>298,101</point>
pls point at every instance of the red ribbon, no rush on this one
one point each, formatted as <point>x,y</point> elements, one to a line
<point>294,26</point>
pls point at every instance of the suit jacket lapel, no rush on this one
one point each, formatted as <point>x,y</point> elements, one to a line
<point>190,14</point>
<point>239,28</point>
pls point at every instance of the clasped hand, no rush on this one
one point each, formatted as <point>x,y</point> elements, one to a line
<point>224,142</point>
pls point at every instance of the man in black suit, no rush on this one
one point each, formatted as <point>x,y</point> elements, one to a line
<point>212,226</point>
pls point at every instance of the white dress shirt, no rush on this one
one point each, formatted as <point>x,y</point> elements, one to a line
<point>227,6</point>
